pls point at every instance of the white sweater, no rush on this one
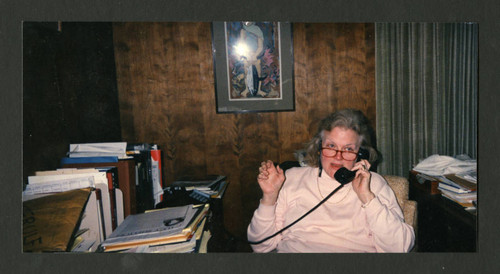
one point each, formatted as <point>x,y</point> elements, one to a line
<point>341,224</point>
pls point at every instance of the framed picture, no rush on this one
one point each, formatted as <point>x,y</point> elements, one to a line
<point>253,66</point>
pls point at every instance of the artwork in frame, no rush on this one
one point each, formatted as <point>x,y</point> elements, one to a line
<point>253,66</point>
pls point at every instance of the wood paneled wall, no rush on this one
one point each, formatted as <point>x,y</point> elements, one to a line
<point>166,95</point>
<point>69,90</point>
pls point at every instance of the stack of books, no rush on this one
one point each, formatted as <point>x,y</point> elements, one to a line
<point>175,229</point>
<point>139,168</point>
<point>460,188</point>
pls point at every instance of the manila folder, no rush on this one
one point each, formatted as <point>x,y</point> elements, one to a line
<point>49,222</point>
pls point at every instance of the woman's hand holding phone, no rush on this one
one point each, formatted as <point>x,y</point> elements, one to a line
<point>361,182</point>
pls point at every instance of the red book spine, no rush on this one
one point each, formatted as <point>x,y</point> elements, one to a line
<point>112,198</point>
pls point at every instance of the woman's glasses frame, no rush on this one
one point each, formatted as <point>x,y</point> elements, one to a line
<point>347,155</point>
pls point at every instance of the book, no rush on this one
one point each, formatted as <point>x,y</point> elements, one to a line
<point>446,181</point>
<point>144,181</point>
<point>182,247</point>
<point>452,188</point>
<point>464,199</point>
<point>157,227</point>
<point>114,189</point>
<point>114,149</point>
<point>149,179</point>
<point>190,246</point>
<point>462,182</point>
<point>157,176</point>
<point>79,160</point>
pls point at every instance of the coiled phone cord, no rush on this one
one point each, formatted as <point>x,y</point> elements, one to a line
<point>302,217</point>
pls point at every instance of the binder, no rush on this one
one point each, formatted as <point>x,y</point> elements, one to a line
<point>144,184</point>
<point>95,159</point>
<point>149,180</point>
<point>157,176</point>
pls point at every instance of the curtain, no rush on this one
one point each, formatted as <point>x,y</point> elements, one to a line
<point>426,92</point>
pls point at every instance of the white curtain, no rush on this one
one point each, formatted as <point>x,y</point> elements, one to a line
<point>426,86</point>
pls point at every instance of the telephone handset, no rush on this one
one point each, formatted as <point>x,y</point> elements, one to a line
<point>344,175</point>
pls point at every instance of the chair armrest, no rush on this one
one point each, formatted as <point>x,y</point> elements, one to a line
<point>410,213</point>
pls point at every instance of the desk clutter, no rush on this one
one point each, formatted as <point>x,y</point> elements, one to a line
<point>111,197</point>
<point>176,229</point>
<point>445,189</point>
<point>455,178</point>
<point>61,222</point>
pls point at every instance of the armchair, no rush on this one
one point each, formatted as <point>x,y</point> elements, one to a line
<point>401,187</point>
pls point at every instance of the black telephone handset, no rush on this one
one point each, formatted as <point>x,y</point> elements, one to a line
<point>344,175</point>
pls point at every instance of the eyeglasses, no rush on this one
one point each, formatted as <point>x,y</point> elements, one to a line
<point>345,154</point>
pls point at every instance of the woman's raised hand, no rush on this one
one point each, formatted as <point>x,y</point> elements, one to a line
<point>270,180</point>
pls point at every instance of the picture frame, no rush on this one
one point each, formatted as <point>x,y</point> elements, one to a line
<point>253,66</point>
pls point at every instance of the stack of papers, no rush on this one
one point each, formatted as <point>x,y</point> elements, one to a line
<point>211,187</point>
<point>149,230</point>
<point>457,177</point>
<point>189,246</point>
<point>438,165</point>
<point>464,199</point>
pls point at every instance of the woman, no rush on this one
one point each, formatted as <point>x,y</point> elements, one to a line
<point>363,216</point>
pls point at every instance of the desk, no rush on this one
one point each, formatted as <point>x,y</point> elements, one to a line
<point>222,240</point>
<point>443,225</point>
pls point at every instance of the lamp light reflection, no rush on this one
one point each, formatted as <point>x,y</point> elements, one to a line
<point>241,49</point>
